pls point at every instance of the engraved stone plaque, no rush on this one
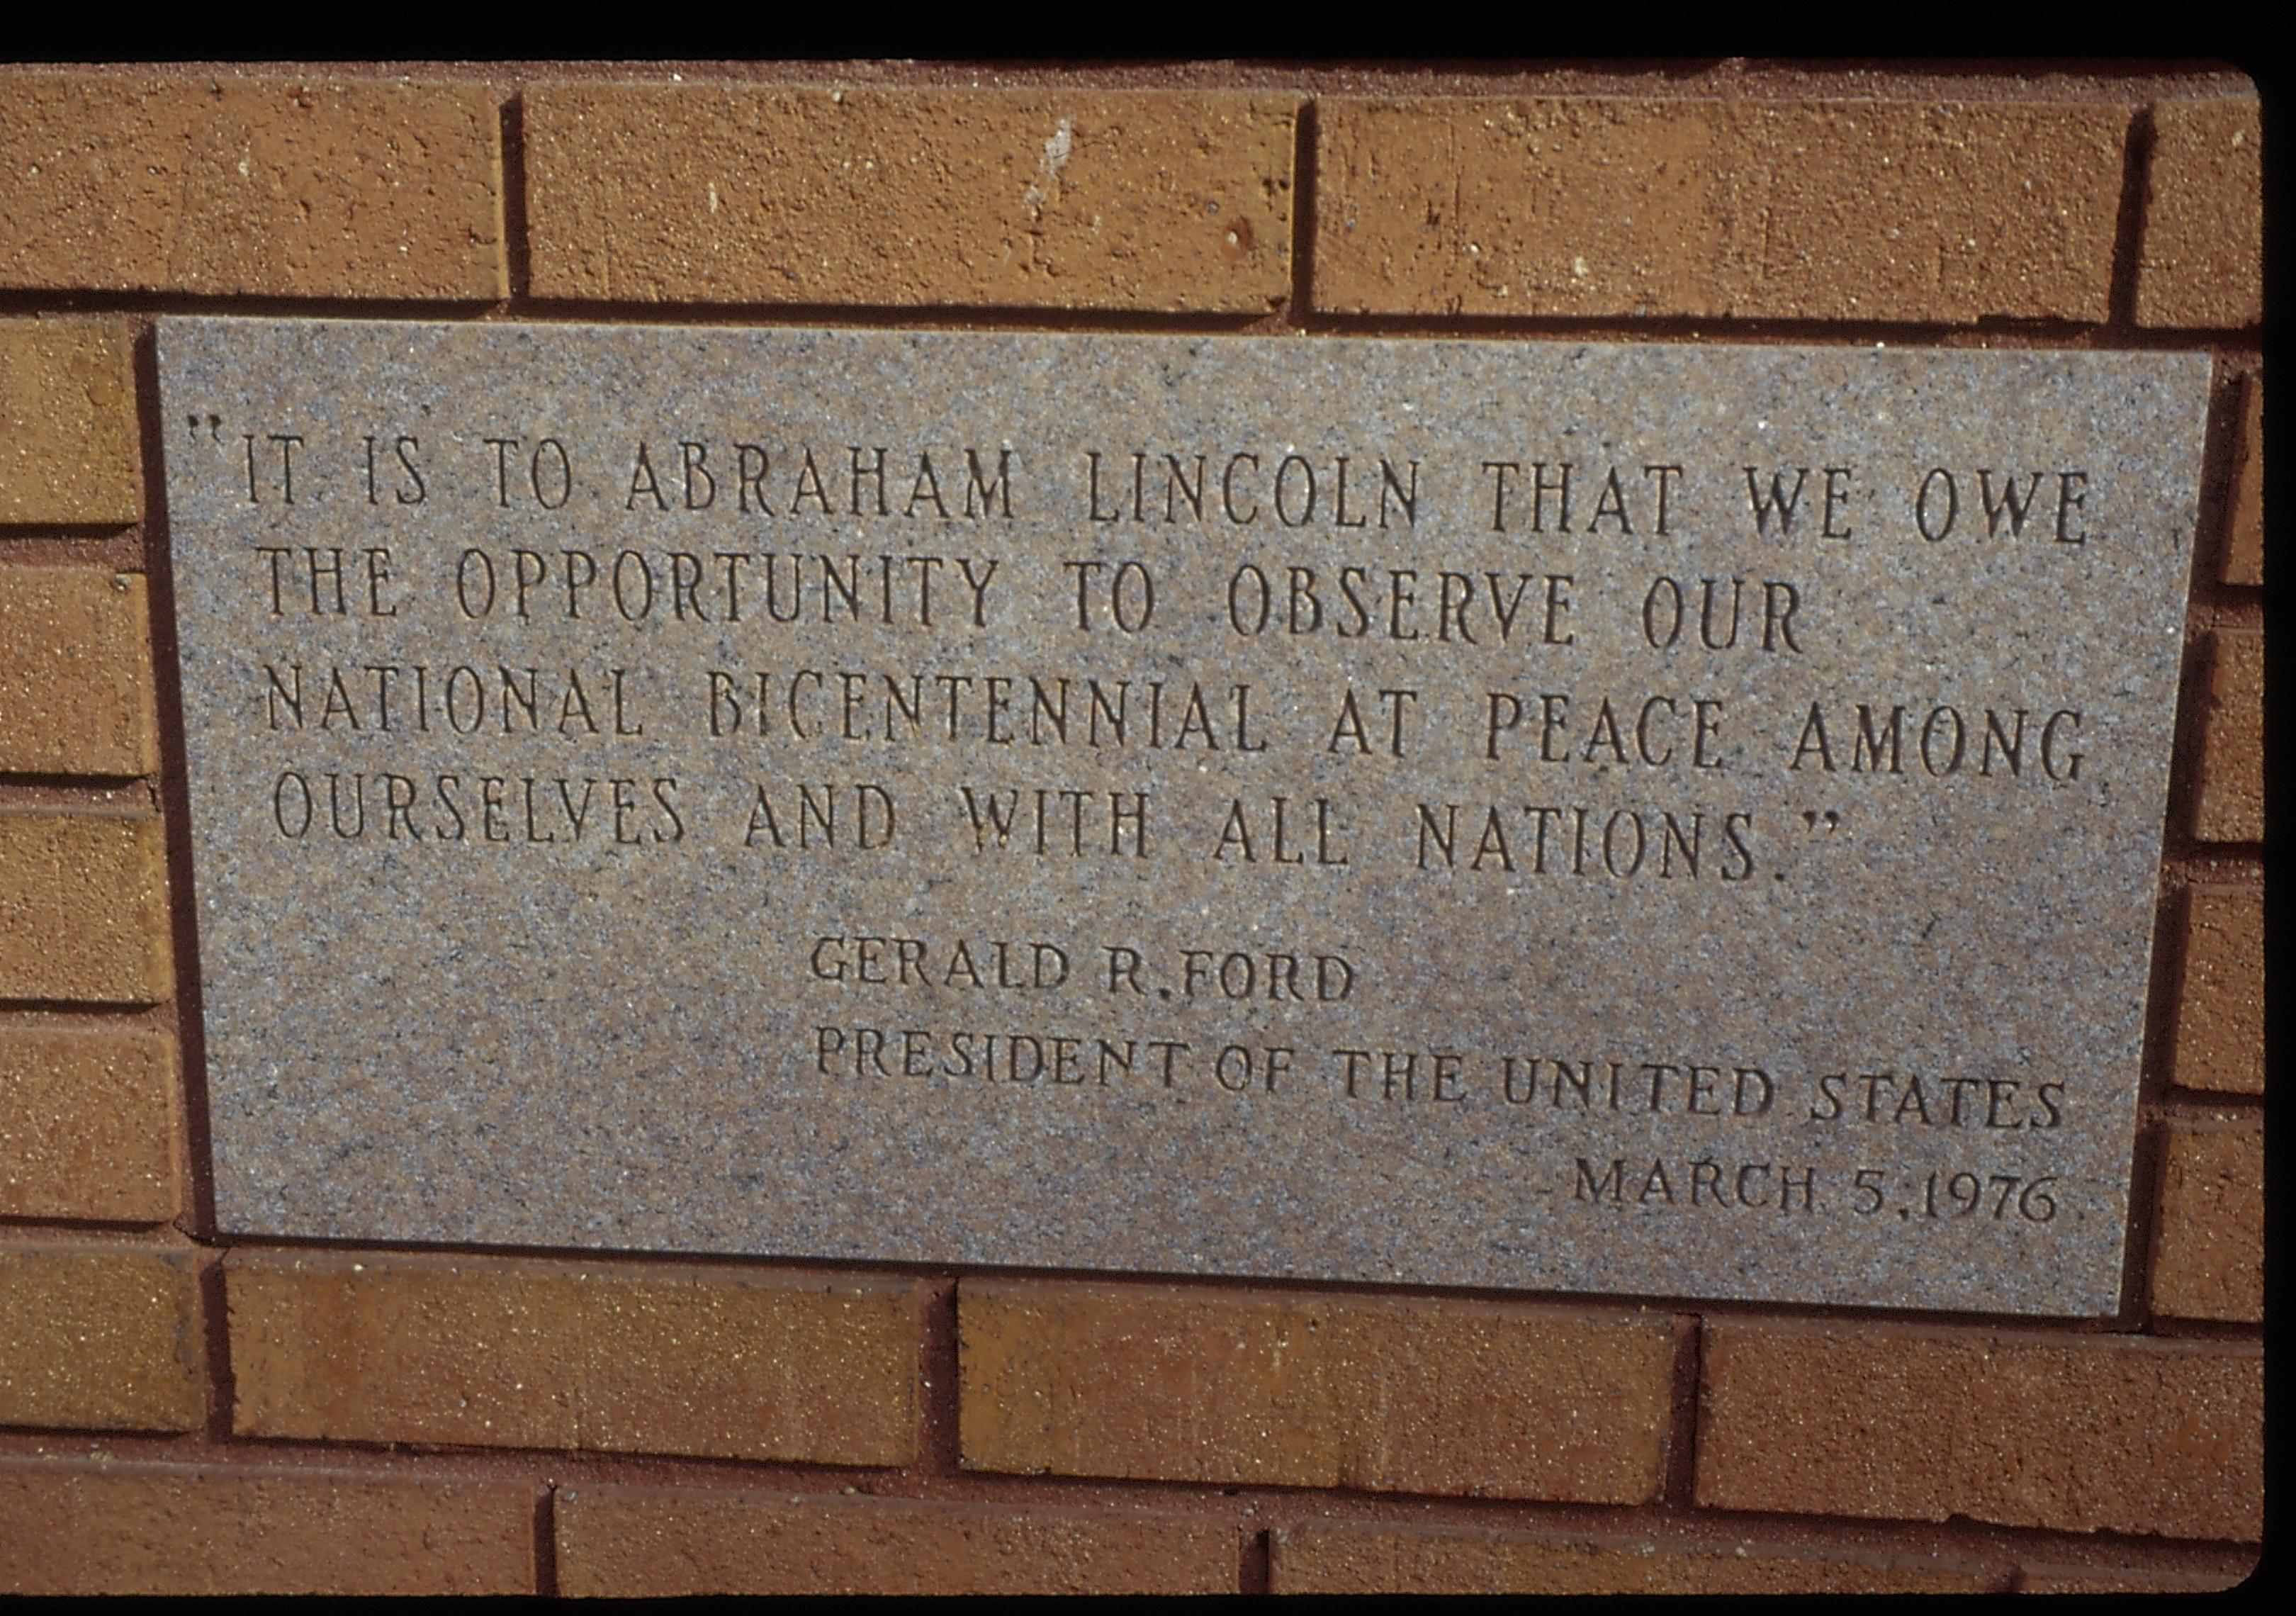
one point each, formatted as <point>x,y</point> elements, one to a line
<point>1632,819</point>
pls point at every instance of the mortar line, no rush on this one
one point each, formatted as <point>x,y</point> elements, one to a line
<point>1679,1487</point>
<point>1306,224</point>
<point>518,244</point>
<point>174,803</point>
<point>1255,1559</point>
<point>939,1406</point>
<point>2128,222</point>
<point>545,1540</point>
<point>1103,1496</point>
<point>1268,1287</point>
<point>2062,334</point>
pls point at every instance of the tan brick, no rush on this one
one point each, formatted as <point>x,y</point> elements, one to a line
<point>2060,1576</point>
<point>2220,1012</point>
<point>1175,1383</point>
<point>78,1526</point>
<point>67,444</point>
<point>1062,199</point>
<point>2203,261</point>
<point>2081,1433</point>
<point>215,184</point>
<point>84,908</point>
<point>103,1337</point>
<point>88,1125</point>
<point>531,1353</point>
<point>1610,206</point>
<point>2230,799</point>
<point>651,1543</point>
<point>2208,1252</point>
<point>75,674</point>
<point>2243,561</point>
<point>1335,1559</point>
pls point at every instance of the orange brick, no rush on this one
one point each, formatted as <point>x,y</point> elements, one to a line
<point>82,1527</point>
<point>84,909</point>
<point>651,1543</point>
<point>2243,561</point>
<point>216,184</point>
<point>2220,1013</point>
<point>1179,1384</point>
<point>2230,805</point>
<point>105,1337</point>
<point>2081,1433</point>
<point>2203,261</point>
<point>2058,1577</point>
<point>1613,206</point>
<point>75,679</point>
<point>506,1353</point>
<point>1062,198</point>
<point>1332,1559</point>
<point>88,1125</point>
<point>2208,1253</point>
<point>67,446</point>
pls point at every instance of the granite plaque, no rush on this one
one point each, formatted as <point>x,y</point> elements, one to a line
<point>1639,819</point>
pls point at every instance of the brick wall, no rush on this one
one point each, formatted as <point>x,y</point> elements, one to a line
<point>180,1412</point>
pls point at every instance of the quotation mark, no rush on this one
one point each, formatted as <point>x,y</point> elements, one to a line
<point>215,426</point>
<point>1830,820</point>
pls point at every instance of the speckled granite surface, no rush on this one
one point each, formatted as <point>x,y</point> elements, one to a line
<point>1154,863</point>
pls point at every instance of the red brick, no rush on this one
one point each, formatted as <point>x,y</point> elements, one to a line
<point>652,1543</point>
<point>1353,1559</point>
<point>100,1337</point>
<point>67,443</point>
<point>75,674</point>
<point>2208,1252</point>
<point>1434,1396</point>
<point>1623,206</point>
<point>2203,261</point>
<point>104,1527</point>
<point>88,1125</point>
<point>1059,199</point>
<point>2080,1434</point>
<point>2230,798</point>
<point>2220,1012</point>
<point>519,1352</point>
<point>213,183</point>
<point>84,908</point>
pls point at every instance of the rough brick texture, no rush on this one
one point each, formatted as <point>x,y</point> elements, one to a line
<point>2230,803</point>
<point>212,183</point>
<point>530,1353</point>
<point>2220,1012</point>
<point>630,1426</point>
<point>102,1337</point>
<point>88,1125</point>
<point>664,1542</point>
<point>68,445</point>
<point>1602,206</point>
<point>1417,1560</point>
<point>83,908</point>
<point>2203,261</point>
<point>75,689</point>
<point>2243,561</point>
<point>2082,1434</point>
<point>1171,1384</point>
<point>2208,1255</point>
<point>1040,199</point>
<point>79,1527</point>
